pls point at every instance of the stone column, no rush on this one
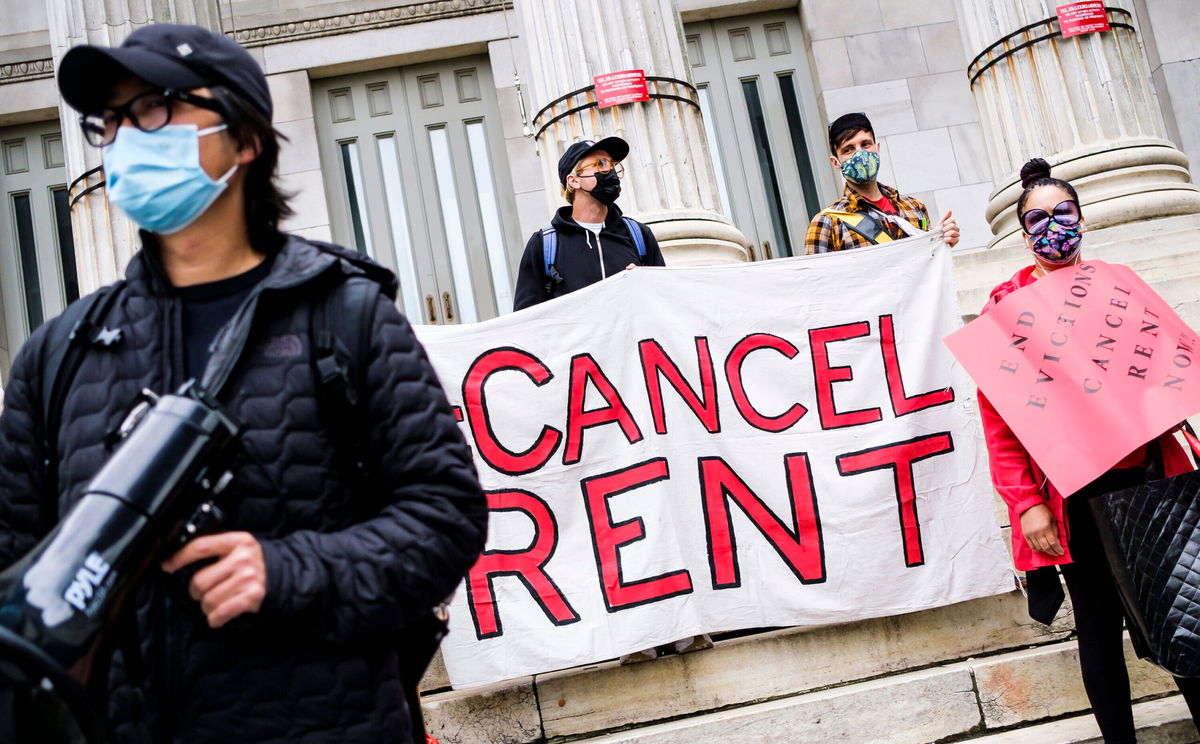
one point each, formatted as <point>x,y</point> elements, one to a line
<point>669,179</point>
<point>1085,103</point>
<point>104,238</point>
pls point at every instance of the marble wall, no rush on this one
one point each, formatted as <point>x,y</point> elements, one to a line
<point>1172,38</point>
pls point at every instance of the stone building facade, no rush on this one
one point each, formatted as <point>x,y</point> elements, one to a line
<point>425,134</point>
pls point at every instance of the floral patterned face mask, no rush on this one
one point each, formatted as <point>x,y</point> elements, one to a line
<point>1058,244</point>
<point>862,167</point>
<point>1054,236</point>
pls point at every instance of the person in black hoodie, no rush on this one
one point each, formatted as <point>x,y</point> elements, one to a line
<point>592,240</point>
<point>291,622</point>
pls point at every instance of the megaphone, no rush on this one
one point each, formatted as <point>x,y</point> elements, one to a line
<point>153,494</point>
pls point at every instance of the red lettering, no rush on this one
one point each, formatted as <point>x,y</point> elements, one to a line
<point>733,374</point>
<point>800,547</point>
<point>819,339</point>
<point>491,450</point>
<point>899,458</point>
<point>584,369</point>
<point>902,403</point>
<point>529,565</point>
<point>609,536</point>
<point>656,364</point>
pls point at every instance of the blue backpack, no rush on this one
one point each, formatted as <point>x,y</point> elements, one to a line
<point>550,251</point>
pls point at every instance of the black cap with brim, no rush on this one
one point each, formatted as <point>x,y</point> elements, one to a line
<point>167,55</point>
<point>87,74</point>
<point>614,146</point>
<point>847,124</point>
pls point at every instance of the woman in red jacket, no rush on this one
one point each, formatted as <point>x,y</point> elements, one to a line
<point>1048,530</point>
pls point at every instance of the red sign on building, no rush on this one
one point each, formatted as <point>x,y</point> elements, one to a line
<point>1082,18</point>
<point>626,86</point>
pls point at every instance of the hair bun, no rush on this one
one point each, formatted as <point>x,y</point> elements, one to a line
<point>1034,170</point>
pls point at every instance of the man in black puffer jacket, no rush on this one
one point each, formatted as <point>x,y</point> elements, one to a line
<point>292,632</point>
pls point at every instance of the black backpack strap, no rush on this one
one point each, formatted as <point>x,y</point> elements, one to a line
<point>550,260</point>
<point>639,240</point>
<point>78,328</point>
<point>344,314</point>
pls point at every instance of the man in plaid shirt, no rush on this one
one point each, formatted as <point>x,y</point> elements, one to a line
<point>868,212</point>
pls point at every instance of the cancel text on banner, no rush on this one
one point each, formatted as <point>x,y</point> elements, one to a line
<point>678,451</point>
<point>1084,365</point>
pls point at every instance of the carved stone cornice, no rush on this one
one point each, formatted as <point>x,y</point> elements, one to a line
<point>33,69</point>
<point>399,15</point>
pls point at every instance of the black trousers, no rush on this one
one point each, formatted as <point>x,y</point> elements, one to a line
<point>1099,617</point>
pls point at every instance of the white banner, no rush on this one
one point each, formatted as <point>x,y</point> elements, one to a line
<point>679,451</point>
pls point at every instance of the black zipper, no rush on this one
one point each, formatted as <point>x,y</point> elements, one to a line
<point>176,628</point>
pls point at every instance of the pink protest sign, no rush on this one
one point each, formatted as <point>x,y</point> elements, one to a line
<point>1084,365</point>
<point>1082,18</point>
<point>626,86</point>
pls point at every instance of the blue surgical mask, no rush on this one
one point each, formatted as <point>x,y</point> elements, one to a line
<point>862,167</point>
<point>156,177</point>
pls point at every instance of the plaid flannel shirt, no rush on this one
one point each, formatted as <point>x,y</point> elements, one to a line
<point>826,233</point>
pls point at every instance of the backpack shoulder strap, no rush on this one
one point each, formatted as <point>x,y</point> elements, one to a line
<point>635,232</point>
<point>75,330</point>
<point>344,315</point>
<point>549,248</point>
<point>549,259</point>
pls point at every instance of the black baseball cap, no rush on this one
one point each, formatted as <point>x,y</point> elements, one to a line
<point>614,146</point>
<point>847,124</point>
<point>169,55</point>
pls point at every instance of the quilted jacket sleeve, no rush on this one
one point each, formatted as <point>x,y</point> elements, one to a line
<point>1012,470</point>
<point>20,458</point>
<point>377,575</point>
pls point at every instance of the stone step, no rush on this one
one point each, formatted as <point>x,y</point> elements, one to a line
<point>789,661</point>
<point>1163,721</point>
<point>911,708</point>
<point>753,681</point>
<point>965,700</point>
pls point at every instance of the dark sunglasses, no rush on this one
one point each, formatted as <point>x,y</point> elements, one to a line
<point>147,111</point>
<point>1066,213</point>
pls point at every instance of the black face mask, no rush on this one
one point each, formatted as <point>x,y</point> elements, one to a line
<point>607,188</point>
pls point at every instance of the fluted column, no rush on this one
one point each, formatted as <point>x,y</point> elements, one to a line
<point>1085,103</point>
<point>669,183</point>
<point>105,239</point>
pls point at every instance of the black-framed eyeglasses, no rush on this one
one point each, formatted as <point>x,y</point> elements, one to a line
<point>147,111</point>
<point>602,166</point>
<point>1036,221</point>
